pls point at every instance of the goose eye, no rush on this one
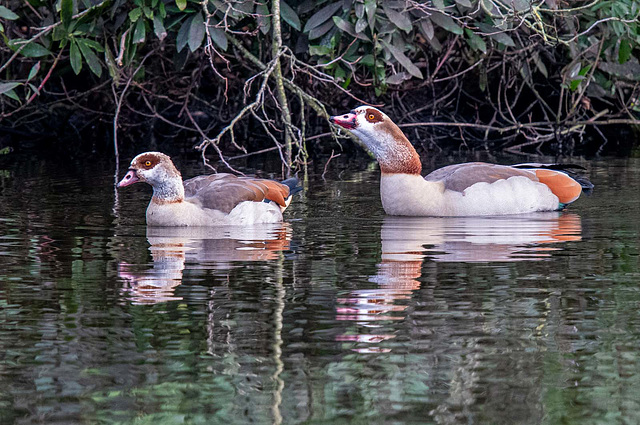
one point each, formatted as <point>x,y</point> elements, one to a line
<point>147,163</point>
<point>371,117</point>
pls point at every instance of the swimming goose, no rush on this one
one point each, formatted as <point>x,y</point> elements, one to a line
<point>468,189</point>
<point>209,200</point>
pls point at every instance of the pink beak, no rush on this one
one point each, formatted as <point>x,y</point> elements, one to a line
<point>347,121</point>
<point>129,179</point>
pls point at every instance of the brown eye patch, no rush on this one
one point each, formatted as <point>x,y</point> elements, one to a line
<point>148,161</point>
<point>373,116</point>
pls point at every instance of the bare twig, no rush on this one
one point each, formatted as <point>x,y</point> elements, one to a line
<point>327,164</point>
<point>277,75</point>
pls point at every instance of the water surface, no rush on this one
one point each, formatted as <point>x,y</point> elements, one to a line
<point>339,315</point>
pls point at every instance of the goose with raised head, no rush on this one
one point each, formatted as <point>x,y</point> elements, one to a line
<point>474,188</point>
<point>207,200</point>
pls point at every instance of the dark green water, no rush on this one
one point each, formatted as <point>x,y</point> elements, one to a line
<point>340,315</point>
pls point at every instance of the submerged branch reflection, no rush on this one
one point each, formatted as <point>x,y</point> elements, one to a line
<point>212,248</point>
<point>408,241</point>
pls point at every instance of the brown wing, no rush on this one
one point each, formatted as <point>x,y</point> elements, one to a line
<point>224,191</point>
<point>460,176</point>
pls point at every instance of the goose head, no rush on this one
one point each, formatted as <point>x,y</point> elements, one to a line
<point>383,138</point>
<point>156,169</point>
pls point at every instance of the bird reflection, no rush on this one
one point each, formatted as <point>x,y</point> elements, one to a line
<point>174,248</point>
<point>408,241</point>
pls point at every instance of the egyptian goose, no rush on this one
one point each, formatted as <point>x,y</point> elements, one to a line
<point>209,200</point>
<point>469,189</point>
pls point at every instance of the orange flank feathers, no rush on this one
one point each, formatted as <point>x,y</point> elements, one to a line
<point>276,192</point>
<point>564,187</point>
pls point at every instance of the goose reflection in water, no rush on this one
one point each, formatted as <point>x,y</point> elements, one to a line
<point>408,241</point>
<point>213,248</point>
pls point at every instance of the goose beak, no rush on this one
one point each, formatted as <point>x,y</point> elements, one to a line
<point>129,179</point>
<point>347,121</point>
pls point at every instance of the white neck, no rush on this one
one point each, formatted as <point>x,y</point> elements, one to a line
<point>171,190</point>
<point>380,145</point>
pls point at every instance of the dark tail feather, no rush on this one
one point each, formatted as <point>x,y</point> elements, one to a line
<point>293,185</point>
<point>557,167</point>
<point>587,186</point>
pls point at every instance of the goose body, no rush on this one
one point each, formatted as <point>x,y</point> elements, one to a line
<point>469,189</point>
<point>208,200</point>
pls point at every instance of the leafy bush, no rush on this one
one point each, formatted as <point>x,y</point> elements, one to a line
<point>576,51</point>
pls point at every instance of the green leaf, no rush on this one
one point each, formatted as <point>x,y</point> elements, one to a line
<point>183,34</point>
<point>624,52</point>
<point>540,65</point>
<point>147,12</point>
<point>158,28</point>
<point>90,57</point>
<point>321,30</point>
<point>427,28</point>
<point>490,8</point>
<point>370,7</point>
<point>7,14</point>
<point>242,8</point>
<point>483,80</point>
<point>264,20</point>
<point>496,34</point>
<point>93,44</point>
<point>400,19</point>
<point>5,87</point>
<point>575,83</point>
<point>139,33</point>
<point>135,14</point>
<point>464,3</point>
<point>525,71</point>
<point>320,50</point>
<point>584,70</point>
<point>476,42</point>
<point>111,64</point>
<point>219,37</point>
<point>34,71</point>
<point>348,28</point>
<point>575,70</point>
<point>439,4</point>
<point>130,50</point>
<point>446,22</point>
<point>403,60</point>
<point>289,15</point>
<point>163,11</point>
<point>435,44</point>
<point>32,89</point>
<point>521,5</point>
<point>75,57</point>
<point>322,16</point>
<point>367,60</point>
<point>33,50</point>
<point>59,34</point>
<point>12,95</point>
<point>398,78</point>
<point>66,12</point>
<point>182,4</point>
<point>196,32</point>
